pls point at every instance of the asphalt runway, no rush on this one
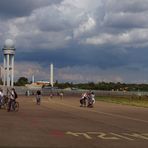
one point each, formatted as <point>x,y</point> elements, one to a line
<point>63,123</point>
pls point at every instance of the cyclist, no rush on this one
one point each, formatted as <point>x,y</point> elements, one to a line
<point>91,100</point>
<point>83,100</point>
<point>13,96</point>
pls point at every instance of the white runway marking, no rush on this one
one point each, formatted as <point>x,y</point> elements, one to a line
<point>108,136</point>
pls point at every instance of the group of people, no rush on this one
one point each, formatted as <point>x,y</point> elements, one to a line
<point>87,99</point>
<point>51,95</point>
<point>60,94</point>
<point>9,100</point>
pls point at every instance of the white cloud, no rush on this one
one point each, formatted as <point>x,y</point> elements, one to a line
<point>80,25</point>
<point>133,38</point>
<point>27,69</point>
<point>85,27</point>
<point>56,25</point>
<point>133,73</point>
<point>87,74</point>
<point>74,17</point>
<point>85,5</point>
<point>48,27</point>
<point>70,74</point>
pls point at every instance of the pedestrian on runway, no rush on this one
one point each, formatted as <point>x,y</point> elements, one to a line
<point>51,95</point>
<point>38,97</point>
<point>61,95</point>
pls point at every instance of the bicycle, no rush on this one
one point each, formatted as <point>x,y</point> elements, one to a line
<point>4,102</point>
<point>14,106</point>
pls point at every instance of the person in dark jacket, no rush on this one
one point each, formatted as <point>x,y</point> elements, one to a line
<point>38,97</point>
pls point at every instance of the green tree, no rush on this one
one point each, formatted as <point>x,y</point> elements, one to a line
<point>22,81</point>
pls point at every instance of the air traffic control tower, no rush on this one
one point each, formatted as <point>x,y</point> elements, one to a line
<point>9,52</point>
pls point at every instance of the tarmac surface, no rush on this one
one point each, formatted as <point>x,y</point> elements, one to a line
<point>63,123</point>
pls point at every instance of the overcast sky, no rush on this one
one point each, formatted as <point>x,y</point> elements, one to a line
<point>86,40</point>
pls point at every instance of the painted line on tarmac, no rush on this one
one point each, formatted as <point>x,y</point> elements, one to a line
<point>109,136</point>
<point>100,112</point>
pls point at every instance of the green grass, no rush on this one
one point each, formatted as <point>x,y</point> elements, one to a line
<point>133,101</point>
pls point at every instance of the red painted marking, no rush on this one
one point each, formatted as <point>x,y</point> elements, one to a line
<point>57,133</point>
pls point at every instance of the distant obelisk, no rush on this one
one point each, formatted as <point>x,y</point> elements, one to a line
<point>51,75</point>
<point>32,78</point>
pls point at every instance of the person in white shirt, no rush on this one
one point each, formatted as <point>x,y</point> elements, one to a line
<point>91,100</point>
<point>83,100</point>
<point>93,97</point>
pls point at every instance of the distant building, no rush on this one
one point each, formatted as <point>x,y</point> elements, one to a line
<point>37,85</point>
<point>42,83</point>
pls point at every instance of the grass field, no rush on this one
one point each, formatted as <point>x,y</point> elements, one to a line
<point>133,101</point>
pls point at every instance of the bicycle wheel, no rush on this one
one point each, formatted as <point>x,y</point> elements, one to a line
<point>5,105</point>
<point>16,106</point>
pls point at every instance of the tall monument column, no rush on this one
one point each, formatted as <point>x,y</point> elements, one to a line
<point>51,75</point>
<point>9,52</point>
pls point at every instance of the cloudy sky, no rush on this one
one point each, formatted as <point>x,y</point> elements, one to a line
<point>86,40</point>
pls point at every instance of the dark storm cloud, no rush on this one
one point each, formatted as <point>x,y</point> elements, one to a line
<point>19,8</point>
<point>104,59</point>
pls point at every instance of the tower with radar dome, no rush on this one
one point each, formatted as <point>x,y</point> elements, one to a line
<point>9,52</point>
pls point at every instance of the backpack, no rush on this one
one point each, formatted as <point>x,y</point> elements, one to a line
<point>15,95</point>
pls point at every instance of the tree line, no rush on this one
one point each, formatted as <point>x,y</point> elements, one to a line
<point>109,86</point>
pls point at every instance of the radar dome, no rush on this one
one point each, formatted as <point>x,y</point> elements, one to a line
<point>9,43</point>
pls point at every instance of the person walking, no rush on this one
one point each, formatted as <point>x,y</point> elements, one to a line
<point>61,95</point>
<point>38,97</point>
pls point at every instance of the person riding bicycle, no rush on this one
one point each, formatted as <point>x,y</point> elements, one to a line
<point>13,96</point>
<point>91,100</point>
<point>83,100</point>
